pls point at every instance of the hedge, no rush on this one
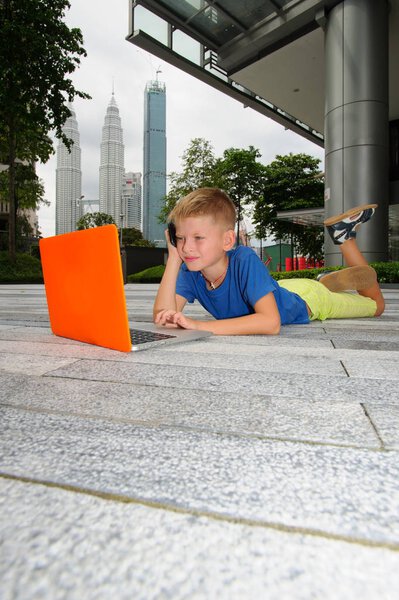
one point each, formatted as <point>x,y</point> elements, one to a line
<point>386,272</point>
<point>27,269</point>
<point>151,275</point>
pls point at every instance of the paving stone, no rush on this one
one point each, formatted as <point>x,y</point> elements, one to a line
<point>269,363</point>
<point>254,433</point>
<point>32,365</point>
<point>342,491</point>
<point>59,544</point>
<point>328,387</point>
<point>243,414</point>
<point>378,369</point>
<point>385,418</point>
<point>61,348</point>
<point>385,346</point>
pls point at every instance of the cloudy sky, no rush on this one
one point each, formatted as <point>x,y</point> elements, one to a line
<point>193,109</point>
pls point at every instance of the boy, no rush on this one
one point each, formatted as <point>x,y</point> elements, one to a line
<point>235,287</point>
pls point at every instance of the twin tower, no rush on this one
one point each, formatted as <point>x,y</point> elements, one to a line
<point>120,193</point>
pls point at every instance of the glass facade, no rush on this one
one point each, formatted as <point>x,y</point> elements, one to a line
<point>68,179</point>
<point>191,32</point>
<point>219,41</point>
<point>154,161</point>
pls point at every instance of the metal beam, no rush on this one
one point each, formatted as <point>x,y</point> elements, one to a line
<point>146,42</point>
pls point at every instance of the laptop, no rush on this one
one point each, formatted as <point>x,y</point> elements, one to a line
<point>85,294</point>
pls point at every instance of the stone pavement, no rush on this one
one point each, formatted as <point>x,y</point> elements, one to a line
<point>229,468</point>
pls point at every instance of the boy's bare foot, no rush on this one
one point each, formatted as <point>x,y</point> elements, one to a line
<point>351,278</point>
<point>343,227</point>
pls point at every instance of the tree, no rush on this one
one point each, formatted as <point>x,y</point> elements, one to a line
<point>29,194</point>
<point>134,237</point>
<point>38,52</point>
<point>198,165</point>
<point>96,219</point>
<point>242,177</point>
<point>291,182</point>
<point>238,172</point>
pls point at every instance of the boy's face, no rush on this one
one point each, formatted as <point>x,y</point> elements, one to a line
<point>202,243</point>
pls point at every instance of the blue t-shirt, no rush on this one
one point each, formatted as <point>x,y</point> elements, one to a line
<point>247,281</point>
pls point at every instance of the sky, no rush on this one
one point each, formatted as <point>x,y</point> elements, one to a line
<point>193,109</point>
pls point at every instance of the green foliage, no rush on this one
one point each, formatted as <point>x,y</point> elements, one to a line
<point>38,52</point>
<point>96,219</point>
<point>303,274</point>
<point>238,172</point>
<point>29,194</point>
<point>198,164</point>
<point>25,269</point>
<point>291,182</point>
<point>386,272</point>
<point>134,237</point>
<point>150,275</point>
<point>29,189</point>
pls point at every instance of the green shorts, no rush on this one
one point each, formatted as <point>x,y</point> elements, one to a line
<point>324,304</point>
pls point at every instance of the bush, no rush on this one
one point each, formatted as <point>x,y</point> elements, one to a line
<point>151,275</point>
<point>305,274</point>
<point>27,269</point>
<point>386,272</point>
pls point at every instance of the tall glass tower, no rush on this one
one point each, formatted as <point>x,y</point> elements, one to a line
<point>154,163</point>
<point>112,163</point>
<point>68,179</point>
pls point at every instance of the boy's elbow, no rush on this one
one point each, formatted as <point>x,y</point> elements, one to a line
<point>276,328</point>
<point>271,326</point>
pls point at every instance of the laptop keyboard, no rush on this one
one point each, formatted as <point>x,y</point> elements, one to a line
<point>138,336</point>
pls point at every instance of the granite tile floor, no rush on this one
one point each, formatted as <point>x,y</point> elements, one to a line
<point>229,468</point>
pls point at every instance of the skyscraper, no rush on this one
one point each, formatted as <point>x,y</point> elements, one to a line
<point>154,169</point>
<point>68,179</point>
<point>131,200</point>
<point>112,163</point>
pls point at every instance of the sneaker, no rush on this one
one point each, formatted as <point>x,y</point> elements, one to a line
<point>351,278</point>
<point>343,227</point>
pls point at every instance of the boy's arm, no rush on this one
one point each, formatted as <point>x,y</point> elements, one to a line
<point>166,298</point>
<point>265,320</point>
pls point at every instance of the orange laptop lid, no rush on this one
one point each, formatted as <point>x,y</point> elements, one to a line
<point>84,287</point>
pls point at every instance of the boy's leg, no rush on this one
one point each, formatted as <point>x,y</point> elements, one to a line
<point>346,226</point>
<point>352,278</point>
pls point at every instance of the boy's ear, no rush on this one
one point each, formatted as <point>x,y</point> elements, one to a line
<point>229,239</point>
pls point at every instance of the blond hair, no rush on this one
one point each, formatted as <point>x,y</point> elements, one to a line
<point>206,202</point>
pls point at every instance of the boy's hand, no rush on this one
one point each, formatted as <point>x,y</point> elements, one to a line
<point>171,318</point>
<point>172,250</point>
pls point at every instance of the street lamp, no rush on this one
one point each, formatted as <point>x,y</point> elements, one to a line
<point>123,252</point>
<point>121,217</point>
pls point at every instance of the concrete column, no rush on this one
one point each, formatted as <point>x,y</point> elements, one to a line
<point>356,120</point>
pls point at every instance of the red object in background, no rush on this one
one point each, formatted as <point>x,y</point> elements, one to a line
<point>288,264</point>
<point>301,263</point>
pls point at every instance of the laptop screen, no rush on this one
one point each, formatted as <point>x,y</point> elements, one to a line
<point>84,287</point>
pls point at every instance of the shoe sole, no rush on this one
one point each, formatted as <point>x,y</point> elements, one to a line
<point>348,213</point>
<point>352,278</point>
